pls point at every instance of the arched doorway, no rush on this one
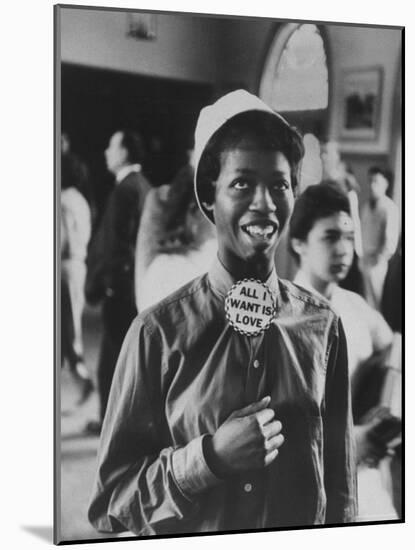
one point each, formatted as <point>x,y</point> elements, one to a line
<point>296,82</point>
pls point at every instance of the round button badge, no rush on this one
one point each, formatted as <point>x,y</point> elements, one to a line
<point>250,307</point>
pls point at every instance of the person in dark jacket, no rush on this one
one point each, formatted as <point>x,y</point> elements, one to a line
<point>111,257</point>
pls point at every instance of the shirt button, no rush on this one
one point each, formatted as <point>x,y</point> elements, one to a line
<point>247,487</point>
<point>256,364</point>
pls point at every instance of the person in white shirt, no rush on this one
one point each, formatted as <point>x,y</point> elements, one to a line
<point>336,170</point>
<point>175,242</point>
<point>380,234</point>
<point>321,237</point>
<point>74,239</point>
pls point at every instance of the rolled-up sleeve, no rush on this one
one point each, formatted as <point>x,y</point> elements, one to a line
<point>192,473</point>
<point>339,455</point>
<point>142,484</point>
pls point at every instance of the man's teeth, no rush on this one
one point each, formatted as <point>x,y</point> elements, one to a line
<point>258,230</point>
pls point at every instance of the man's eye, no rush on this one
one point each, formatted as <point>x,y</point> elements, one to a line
<point>241,185</point>
<point>280,185</point>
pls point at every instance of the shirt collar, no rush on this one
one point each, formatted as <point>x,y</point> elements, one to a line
<point>126,170</point>
<point>301,280</point>
<point>221,280</point>
<point>376,203</point>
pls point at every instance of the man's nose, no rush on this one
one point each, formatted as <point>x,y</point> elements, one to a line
<point>344,247</point>
<point>262,200</point>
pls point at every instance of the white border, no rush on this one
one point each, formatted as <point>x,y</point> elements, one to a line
<point>26,244</point>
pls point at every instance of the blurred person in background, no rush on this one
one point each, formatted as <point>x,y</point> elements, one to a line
<point>322,241</point>
<point>337,172</point>
<point>175,242</point>
<point>111,256</point>
<point>75,235</point>
<point>74,168</point>
<point>380,234</point>
<point>392,291</point>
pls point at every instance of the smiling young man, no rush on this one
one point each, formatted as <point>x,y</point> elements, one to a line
<point>211,427</point>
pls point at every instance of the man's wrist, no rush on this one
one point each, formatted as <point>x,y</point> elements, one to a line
<point>190,468</point>
<point>212,459</point>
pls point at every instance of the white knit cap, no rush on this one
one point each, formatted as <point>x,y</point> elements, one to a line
<point>214,116</point>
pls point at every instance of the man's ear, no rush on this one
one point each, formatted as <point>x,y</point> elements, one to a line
<point>209,197</point>
<point>208,206</point>
<point>298,246</point>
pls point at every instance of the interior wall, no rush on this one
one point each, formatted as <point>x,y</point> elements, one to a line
<point>220,50</point>
<point>244,50</point>
<point>248,43</point>
<point>354,48</point>
<point>185,47</point>
<point>373,47</point>
<point>350,47</point>
<point>357,47</point>
<point>229,53</point>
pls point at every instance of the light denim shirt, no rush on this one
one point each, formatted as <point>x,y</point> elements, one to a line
<point>181,372</point>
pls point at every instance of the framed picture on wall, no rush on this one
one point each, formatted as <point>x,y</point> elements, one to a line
<point>141,26</point>
<point>361,104</point>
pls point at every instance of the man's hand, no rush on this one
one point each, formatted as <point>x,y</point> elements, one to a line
<point>247,440</point>
<point>368,451</point>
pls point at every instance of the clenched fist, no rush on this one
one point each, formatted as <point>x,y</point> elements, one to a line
<point>249,439</point>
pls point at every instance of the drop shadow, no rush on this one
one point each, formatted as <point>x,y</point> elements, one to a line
<point>44,532</point>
